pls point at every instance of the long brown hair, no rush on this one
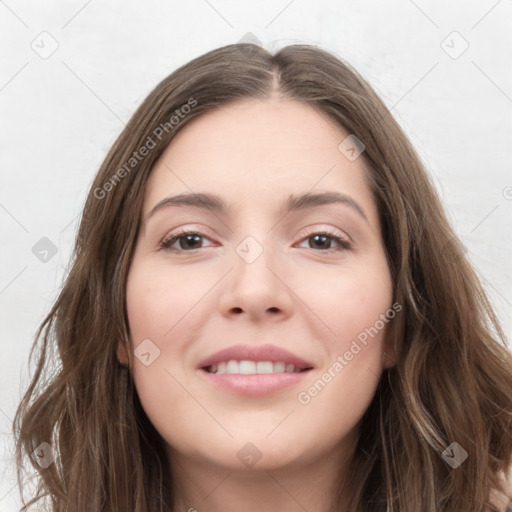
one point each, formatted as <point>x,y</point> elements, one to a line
<point>452,381</point>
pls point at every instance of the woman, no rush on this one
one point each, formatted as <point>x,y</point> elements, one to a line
<point>267,308</point>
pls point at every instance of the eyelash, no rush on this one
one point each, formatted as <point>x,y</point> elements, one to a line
<point>166,244</point>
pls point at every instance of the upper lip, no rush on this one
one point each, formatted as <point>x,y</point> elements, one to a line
<point>255,353</point>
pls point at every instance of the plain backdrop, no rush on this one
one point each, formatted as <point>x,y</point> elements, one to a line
<point>73,72</point>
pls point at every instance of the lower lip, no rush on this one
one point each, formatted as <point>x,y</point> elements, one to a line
<point>255,385</point>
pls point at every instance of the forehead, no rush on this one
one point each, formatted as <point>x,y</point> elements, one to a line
<point>256,152</point>
<point>259,129</point>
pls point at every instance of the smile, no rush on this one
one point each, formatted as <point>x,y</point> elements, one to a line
<point>252,367</point>
<point>254,370</point>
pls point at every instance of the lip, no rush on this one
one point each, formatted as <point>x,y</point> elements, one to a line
<point>256,384</point>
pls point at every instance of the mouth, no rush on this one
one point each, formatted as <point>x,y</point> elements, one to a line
<point>254,370</point>
<point>246,367</point>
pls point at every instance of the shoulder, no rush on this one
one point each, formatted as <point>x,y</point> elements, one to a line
<point>503,499</point>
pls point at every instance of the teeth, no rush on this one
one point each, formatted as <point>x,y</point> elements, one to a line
<point>279,367</point>
<point>252,367</point>
<point>232,367</point>
<point>246,367</point>
<point>264,367</point>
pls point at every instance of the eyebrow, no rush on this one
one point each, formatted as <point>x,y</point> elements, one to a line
<point>292,203</point>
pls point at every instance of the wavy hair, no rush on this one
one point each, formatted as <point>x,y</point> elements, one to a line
<point>452,377</point>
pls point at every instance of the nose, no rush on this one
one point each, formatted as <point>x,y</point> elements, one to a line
<point>256,288</point>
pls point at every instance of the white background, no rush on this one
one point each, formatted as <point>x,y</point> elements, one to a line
<point>61,113</point>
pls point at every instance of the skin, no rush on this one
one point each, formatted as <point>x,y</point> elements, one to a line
<point>308,298</point>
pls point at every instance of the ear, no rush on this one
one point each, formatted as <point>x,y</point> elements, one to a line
<point>122,354</point>
<point>388,360</point>
<point>388,356</point>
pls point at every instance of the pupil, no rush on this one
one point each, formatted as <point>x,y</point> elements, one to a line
<point>322,237</point>
<point>189,238</point>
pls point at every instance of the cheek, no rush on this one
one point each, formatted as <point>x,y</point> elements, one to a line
<point>160,316</point>
<point>158,308</point>
<point>350,301</point>
<point>157,301</point>
<point>357,310</point>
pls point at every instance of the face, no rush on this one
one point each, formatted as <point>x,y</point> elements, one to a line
<point>271,282</point>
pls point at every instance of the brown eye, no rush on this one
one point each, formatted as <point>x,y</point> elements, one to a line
<point>187,241</point>
<point>324,241</point>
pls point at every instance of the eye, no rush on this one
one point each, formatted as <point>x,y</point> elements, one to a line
<point>191,240</point>
<point>322,241</point>
<point>187,241</point>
